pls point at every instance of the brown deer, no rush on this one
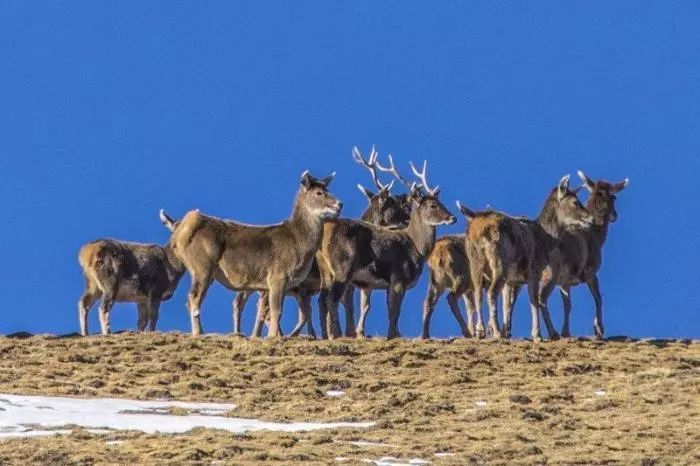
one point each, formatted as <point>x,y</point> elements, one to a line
<point>514,251</point>
<point>448,269</point>
<point>581,252</point>
<point>275,258</point>
<point>373,257</point>
<point>384,209</point>
<point>118,271</point>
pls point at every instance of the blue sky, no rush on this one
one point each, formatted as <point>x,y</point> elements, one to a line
<point>112,110</point>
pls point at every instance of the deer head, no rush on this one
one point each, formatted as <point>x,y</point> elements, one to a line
<point>425,200</point>
<point>384,209</point>
<point>568,211</point>
<point>601,203</point>
<point>315,197</point>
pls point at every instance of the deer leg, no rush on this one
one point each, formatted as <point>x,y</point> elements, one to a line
<point>261,314</point>
<point>594,287</point>
<point>304,307</point>
<point>457,312</point>
<point>365,300</point>
<point>142,316</point>
<point>545,292</point>
<point>565,293</point>
<point>198,290</point>
<point>153,311</point>
<point>276,297</point>
<point>468,298</point>
<point>509,295</point>
<point>533,289</point>
<point>431,300</point>
<point>323,298</point>
<point>394,297</point>
<point>309,312</point>
<point>492,300</point>
<point>332,321</point>
<point>238,305</point>
<point>87,300</point>
<point>477,291</point>
<point>105,308</point>
<point>349,305</point>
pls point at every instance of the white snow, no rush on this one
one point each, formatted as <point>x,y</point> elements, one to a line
<point>335,393</point>
<point>21,416</point>
<point>480,403</point>
<point>444,454</point>
<point>392,461</point>
<point>600,392</point>
<point>365,443</point>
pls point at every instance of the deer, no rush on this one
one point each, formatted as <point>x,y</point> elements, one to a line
<point>514,251</point>
<point>383,209</point>
<point>273,258</point>
<point>120,271</point>
<point>581,252</point>
<point>448,269</point>
<point>373,257</point>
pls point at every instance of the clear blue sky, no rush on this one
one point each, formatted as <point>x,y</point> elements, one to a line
<point>111,110</point>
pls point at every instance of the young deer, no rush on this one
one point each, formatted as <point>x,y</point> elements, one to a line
<point>384,209</point>
<point>373,257</point>
<point>275,258</point>
<point>119,271</point>
<point>448,269</point>
<point>581,252</point>
<point>515,251</point>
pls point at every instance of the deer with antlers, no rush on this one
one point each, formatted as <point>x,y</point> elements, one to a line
<point>384,209</point>
<point>273,258</point>
<point>514,251</point>
<point>373,257</point>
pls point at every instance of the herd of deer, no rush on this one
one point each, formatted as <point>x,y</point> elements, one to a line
<point>315,252</point>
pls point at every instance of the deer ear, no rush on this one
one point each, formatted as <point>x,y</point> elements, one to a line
<point>306,179</point>
<point>563,186</point>
<point>327,180</point>
<point>469,214</point>
<point>617,187</point>
<point>368,194</point>
<point>167,221</point>
<point>587,182</point>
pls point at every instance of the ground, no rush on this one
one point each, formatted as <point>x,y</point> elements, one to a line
<point>486,402</point>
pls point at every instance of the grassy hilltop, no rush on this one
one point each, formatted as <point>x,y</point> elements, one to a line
<point>509,402</point>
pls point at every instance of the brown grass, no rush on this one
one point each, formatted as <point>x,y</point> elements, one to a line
<point>540,402</point>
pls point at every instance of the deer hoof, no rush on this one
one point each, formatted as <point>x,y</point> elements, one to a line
<point>536,338</point>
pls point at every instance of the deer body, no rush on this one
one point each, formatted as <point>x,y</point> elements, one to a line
<point>514,251</point>
<point>449,271</point>
<point>373,257</point>
<point>119,271</point>
<point>582,251</point>
<point>255,258</point>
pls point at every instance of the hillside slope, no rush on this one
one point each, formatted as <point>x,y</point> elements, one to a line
<point>483,402</point>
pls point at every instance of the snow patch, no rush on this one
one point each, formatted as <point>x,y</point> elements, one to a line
<point>365,443</point>
<point>480,403</point>
<point>600,392</point>
<point>335,393</point>
<point>444,454</point>
<point>31,416</point>
<point>392,461</point>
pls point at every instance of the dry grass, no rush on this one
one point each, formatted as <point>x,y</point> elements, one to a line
<point>540,402</point>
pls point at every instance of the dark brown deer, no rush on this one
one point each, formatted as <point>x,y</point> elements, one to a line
<point>384,209</point>
<point>515,251</point>
<point>448,268</point>
<point>118,271</point>
<point>373,257</point>
<point>275,258</point>
<point>581,252</point>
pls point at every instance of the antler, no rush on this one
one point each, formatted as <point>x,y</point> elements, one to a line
<point>371,165</point>
<point>392,169</point>
<point>424,180</point>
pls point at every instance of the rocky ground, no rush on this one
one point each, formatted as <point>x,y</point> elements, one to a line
<point>469,402</point>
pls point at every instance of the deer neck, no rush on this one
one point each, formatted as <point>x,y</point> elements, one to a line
<point>548,218</point>
<point>175,265</point>
<point>306,227</point>
<point>421,234</point>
